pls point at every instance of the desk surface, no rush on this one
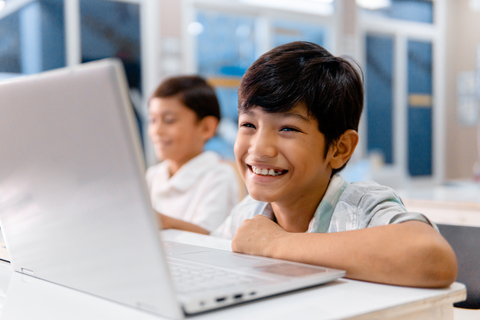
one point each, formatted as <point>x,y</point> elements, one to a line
<point>24,297</point>
<point>453,191</point>
<point>456,203</point>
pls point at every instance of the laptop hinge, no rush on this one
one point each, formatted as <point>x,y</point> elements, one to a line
<point>146,307</point>
<point>28,272</point>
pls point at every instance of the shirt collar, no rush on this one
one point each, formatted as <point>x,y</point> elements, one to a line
<point>323,215</point>
<point>190,172</point>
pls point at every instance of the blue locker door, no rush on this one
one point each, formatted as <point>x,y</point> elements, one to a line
<point>379,93</point>
<point>420,104</point>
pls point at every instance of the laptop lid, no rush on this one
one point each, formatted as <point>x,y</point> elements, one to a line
<point>71,175</point>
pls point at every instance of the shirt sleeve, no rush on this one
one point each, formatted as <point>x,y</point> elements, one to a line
<point>246,209</point>
<point>227,229</point>
<point>218,196</point>
<point>149,176</point>
<point>381,206</point>
<point>412,216</point>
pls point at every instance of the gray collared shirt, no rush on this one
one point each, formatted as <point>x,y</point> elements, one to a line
<point>345,206</point>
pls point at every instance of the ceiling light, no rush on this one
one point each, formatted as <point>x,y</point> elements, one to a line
<point>374,4</point>
<point>322,1</point>
<point>475,5</point>
<point>195,28</point>
<point>320,7</point>
<point>2,4</point>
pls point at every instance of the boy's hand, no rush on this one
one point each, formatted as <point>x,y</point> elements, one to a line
<point>166,221</point>
<point>258,236</point>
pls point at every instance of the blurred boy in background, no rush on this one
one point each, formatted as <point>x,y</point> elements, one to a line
<point>189,184</point>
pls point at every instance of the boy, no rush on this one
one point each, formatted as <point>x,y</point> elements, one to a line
<point>299,109</point>
<point>189,184</point>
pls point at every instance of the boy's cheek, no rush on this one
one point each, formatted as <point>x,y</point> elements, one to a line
<point>152,131</point>
<point>238,147</point>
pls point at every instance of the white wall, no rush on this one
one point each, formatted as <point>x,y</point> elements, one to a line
<point>463,37</point>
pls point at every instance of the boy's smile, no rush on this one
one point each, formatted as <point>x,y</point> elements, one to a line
<point>281,156</point>
<point>267,171</point>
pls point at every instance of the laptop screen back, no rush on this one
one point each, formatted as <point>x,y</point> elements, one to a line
<point>74,208</point>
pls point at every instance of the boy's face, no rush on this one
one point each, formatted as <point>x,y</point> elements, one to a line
<point>174,130</point>
<point>281,155</point>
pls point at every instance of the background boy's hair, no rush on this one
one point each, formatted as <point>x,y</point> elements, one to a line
<point>304,72</point>
<point>193,91</point>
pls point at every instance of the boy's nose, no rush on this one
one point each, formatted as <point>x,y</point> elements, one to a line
<point>158,128</point>
<point>263,145</point>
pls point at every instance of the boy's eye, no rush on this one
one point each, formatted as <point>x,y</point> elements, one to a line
<point>169,120</point>
<point>289,129</point>
<point>247,125</point>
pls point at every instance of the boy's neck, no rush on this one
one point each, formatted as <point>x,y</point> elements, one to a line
<point>295,215</point>
<point>175,165</point>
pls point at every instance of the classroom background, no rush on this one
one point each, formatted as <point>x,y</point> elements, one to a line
<point>420,130</point>
<point>420,58</point>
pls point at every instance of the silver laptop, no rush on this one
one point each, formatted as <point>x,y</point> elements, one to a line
<point>75,209</point>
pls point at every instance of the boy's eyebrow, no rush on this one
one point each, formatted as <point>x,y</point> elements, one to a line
<point>296,115</point>
<point>248,113</point>
<point>284,114</point>
<point>163,113</point>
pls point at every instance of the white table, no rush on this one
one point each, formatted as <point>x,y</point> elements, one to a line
<point>456,203</point>
<point>23,297</point>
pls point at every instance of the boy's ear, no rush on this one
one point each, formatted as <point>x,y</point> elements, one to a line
<point>208,127</point>
<point>343,148</point>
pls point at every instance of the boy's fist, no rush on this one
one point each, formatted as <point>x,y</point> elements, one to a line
<point>258,236</point>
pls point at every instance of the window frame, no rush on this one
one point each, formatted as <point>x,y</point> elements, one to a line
<point>402,32</point>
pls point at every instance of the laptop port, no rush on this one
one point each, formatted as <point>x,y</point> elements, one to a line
<point>221,299</point>
<point>238,296</point>
<point>253,293</point>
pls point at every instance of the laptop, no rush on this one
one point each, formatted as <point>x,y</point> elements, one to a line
<point>75,209</point>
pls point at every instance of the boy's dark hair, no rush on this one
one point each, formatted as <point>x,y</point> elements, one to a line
<point>304,72</point>
<point>194,92</point>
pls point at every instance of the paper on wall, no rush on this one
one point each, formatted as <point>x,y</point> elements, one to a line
<point>467,101</point>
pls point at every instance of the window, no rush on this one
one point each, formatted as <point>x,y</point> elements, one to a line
<point>409,10</point>
<point>32,38</point>
<point>420,104</point>
<point>379,93</point>
<point>228,41</point>
<point>112,29</point>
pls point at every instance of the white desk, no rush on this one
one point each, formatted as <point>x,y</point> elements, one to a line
<point>30,298</point>
<point>456,203</point>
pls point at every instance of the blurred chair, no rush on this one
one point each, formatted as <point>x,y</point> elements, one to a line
<point>465,241</point>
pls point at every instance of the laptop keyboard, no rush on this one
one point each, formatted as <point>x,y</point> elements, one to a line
<point>188,278</point>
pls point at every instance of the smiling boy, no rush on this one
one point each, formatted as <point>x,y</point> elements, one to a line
<point>189,184</point>
<point>299,110</point>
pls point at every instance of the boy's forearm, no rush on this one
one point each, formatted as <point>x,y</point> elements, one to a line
<point>409,254</point>
<point>394,255</point>
<point>172,223</point>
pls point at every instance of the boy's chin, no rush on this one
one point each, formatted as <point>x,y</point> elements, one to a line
<point>159,154</point>
<point>262,196</point>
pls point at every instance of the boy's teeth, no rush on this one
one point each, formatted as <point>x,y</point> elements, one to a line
<point>264,172</point>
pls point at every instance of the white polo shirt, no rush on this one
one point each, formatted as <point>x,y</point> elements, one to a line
<point>203,191</point>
